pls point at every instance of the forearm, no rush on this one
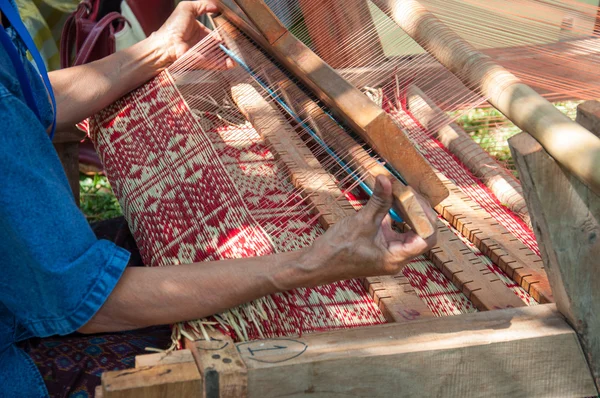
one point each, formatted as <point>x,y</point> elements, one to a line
<point>84,90</point>
<point>165,295</point>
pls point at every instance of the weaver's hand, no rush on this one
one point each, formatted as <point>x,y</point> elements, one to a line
<point>182,31</point>
<point>365,244</point>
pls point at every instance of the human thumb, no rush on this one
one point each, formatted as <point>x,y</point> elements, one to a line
<point>381,200</point>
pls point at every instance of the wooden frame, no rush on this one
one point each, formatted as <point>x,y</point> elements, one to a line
<point>528,352</point>
<point>488,353</point>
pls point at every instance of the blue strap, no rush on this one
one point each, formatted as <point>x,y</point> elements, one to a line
<point>15,58</point>
<point>15,20</point>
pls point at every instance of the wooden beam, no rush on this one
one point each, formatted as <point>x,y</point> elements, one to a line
<point>396,300</point>
<point>506,251</point>
<point>529,352</point>
<point>352,106</point>
<point>570,144</point>
<point>525,352</point>
<point>566,220</point>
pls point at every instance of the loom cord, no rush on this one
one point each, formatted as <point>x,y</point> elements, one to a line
<point>307,128</point>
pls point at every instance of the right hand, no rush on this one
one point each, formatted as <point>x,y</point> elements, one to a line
<point>365,244</point>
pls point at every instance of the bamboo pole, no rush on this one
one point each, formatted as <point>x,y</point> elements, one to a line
<point>570,144</point>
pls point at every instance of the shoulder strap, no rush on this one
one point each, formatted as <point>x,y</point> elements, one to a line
<point>15,58</point>
<point>15,20</point>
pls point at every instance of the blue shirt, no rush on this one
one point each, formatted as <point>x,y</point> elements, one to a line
<point>55,274</point>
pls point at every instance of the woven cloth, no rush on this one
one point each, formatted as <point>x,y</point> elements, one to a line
<point>195,190</point>
<point>194,194</point>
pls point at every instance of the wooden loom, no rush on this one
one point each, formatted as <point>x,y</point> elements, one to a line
<point>522,351</point>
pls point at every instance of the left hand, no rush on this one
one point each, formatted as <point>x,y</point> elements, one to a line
<point>182,31</point>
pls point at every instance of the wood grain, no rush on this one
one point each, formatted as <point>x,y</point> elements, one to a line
<point>223,371</point>
<point>172,380</point>
<point>163,358</point>
<point>566,219</point>
<point>496,353</point>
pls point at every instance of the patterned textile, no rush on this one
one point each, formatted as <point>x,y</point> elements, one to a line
<point>192,195</point>
<point>197,190</point>
<point>72,365</point>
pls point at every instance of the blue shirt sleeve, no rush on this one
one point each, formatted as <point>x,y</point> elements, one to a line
<point>55,273</point>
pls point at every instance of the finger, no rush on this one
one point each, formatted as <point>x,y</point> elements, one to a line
<point>380,202</point>
<point>203,7</point>
<point>411,245</point>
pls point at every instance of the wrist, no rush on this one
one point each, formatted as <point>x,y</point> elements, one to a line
<point>298,270</point>
<point>159,51</point>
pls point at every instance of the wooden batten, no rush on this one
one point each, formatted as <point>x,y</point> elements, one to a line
<point>566,141</point>
<point>566,220</point>
<point>352,106</point>
<point>495,353</point>
<point>514,258</point>
<point>397,300</point>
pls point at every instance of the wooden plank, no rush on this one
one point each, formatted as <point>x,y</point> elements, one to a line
<point>163,358</point>
<point>171,380</point>
<point>358,111</point>
<point>335,27</point>
<point>495,353</point>
<point>468,272</point>
<point>566,219</point>
<point>588,115</point>
<point>492,239</point>
<point>396,298</point>
<point>223,371</point>
<point>453,258</point>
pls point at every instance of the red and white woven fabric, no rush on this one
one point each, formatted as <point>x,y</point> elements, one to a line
<point>193,191</point>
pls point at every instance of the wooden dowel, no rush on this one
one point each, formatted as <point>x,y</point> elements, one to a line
<point>569,143</point>
<point>499,180</point>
